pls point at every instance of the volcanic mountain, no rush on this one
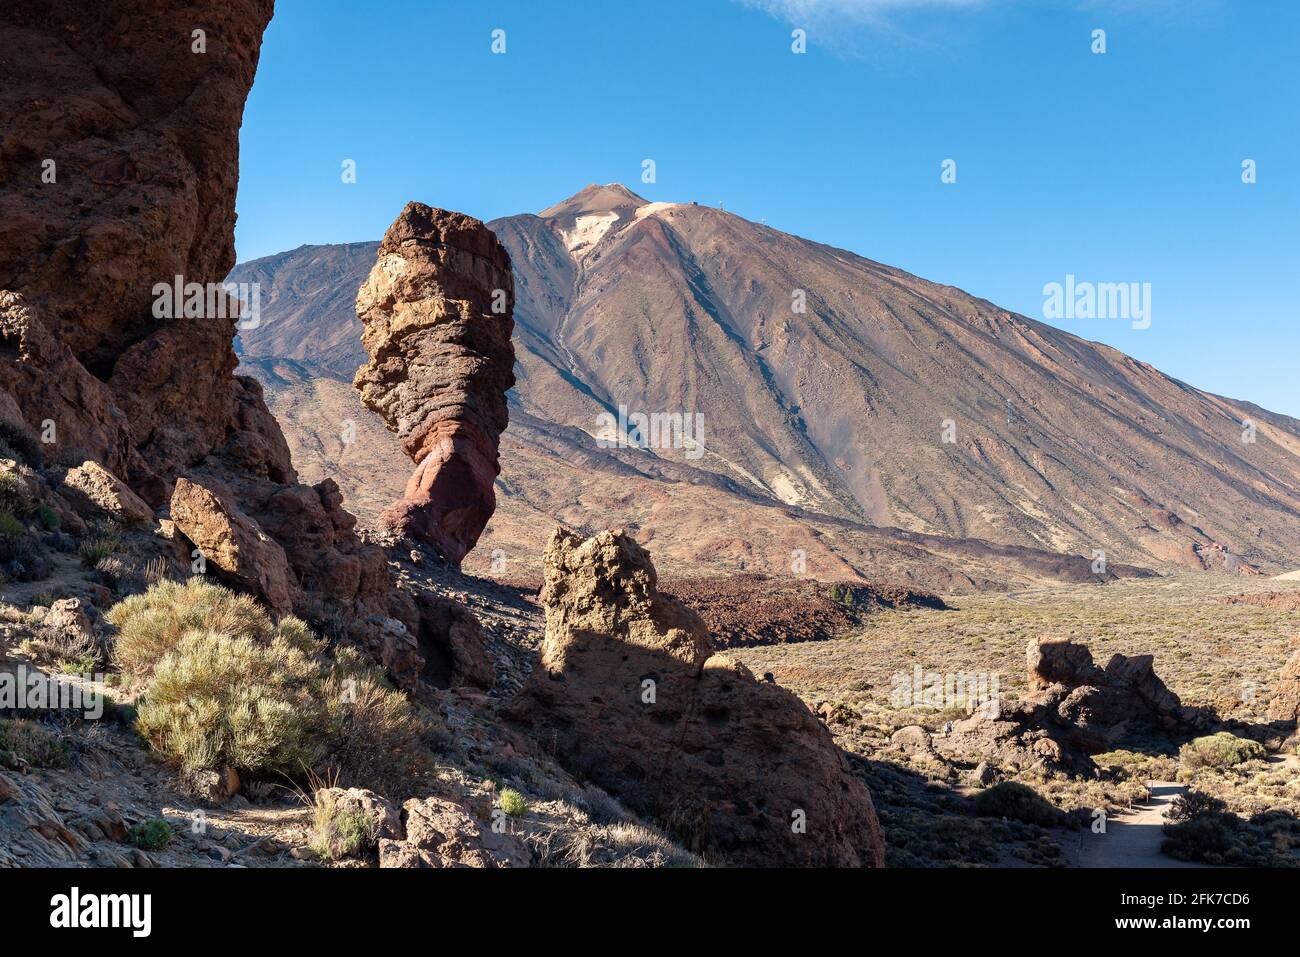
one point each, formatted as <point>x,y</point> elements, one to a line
<point>866,407</point>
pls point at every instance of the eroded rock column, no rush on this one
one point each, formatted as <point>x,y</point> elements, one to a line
<point>438,315</point>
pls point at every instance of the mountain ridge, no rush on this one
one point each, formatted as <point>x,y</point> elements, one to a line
<point>841,409</point>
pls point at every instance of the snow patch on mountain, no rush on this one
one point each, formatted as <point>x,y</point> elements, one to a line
<point>587,231</point>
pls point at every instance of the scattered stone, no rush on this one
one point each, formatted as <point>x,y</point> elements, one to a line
<point>441,833</point>
<point>211,787</point>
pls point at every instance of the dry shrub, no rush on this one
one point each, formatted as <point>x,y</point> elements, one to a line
<point>226,687</point>
<point>216,700</point>
<point>1221,750</point>
<point>338,832</point>
<point>151,624</point>
<point>377,737</point>
<point>28,744</point>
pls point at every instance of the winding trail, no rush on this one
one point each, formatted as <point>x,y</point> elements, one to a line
<point>1132,839</point>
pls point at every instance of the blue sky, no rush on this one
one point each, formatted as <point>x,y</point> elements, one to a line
<point>1120,167</point>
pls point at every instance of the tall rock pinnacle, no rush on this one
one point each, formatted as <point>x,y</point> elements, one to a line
<point>438,314</point>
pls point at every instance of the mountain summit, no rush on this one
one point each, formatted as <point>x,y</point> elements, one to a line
<point>585,218</point>
<point>592,199</point>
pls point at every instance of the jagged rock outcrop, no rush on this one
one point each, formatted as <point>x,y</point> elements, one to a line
<point>118,171</point>
<point>448,649</point>
<point>630,694</point>
<point>117,184</point>
<point>438,314</point>
<point>1076,709</point>
<point>1125,692</point>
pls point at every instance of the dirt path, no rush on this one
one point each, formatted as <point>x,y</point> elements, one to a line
<point>1133,839</point>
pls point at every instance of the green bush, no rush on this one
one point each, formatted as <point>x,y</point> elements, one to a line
<point>150,835</point>
<point>151,624</point>
<point>226,687</point>
<point>1209,839</point>
<point>1221,750</point>
<point>216,700</point>
<point>339,832</point>
<point>25,743</point>
<point>1193,805</point>
<point>10,527</point>
<point>95,550</point>
<point>49,517</point>
<point>513,803</point>
<point>1019,802</point>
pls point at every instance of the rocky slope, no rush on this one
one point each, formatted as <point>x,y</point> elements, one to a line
<point>697,523</point>
<point>1059,443</point>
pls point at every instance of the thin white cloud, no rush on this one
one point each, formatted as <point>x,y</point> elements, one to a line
<point>887,26</point>
<point>798,11</point>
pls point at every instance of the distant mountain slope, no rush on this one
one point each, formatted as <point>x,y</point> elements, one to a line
<point>308,296</point>
<point>696,523</point>
<point>839,409</point>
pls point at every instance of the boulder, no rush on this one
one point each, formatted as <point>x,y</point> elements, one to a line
<point>630,694</point>
<point>387,820</point>
<point>95,492</point>
<point>1285,703</point>
<point>1077,710</point>
<point>438,314</point>
<point>912,739</point>
<point>213,787</point>
<point>442,833</point>
<point>232,543</point>
<point>66,621</point>
<point>1051,661</point>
